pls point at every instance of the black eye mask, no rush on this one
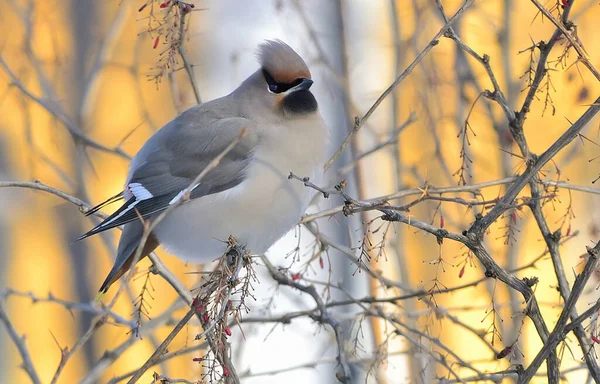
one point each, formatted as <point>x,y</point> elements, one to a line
<point>276,87</point>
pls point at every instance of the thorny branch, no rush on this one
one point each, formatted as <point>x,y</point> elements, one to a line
<point>225,279</point>
<point>516,124</point>
<point>170,22</point>
<point>323,317</point>
<point>558,334</point>
<point>359,122</point>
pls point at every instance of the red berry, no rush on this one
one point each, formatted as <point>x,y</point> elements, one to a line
<point>295,276</point>
<point>228,331</point>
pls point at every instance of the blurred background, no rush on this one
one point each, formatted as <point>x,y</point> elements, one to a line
<point>96,63</point>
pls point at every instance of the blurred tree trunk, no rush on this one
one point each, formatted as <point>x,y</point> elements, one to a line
<point>329,25</point>
<point>5,364</point>
<point>83,13</point>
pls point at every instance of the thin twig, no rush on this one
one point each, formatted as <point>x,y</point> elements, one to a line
<point>19,342</point>
<point>359,122</point>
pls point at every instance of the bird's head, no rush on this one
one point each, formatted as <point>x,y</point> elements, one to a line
<point>285,79</point>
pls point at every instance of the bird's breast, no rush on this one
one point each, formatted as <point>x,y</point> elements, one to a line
<point>258,211</point>
<point>268,192</point>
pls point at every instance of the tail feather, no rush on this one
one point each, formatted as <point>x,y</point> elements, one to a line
<point>111,221</point>
<point>130,240</point>
<point>110,200</point>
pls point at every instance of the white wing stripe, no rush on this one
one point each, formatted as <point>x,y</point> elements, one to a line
<point>139,191</point>
<point>129,208</point>
<point>180,195</point>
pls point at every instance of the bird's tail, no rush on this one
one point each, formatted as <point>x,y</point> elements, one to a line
<point>130,240</point>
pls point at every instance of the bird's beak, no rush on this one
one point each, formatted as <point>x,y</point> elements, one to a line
<point>304,85</point>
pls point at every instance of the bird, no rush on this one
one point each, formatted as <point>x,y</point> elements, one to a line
<point>248,194</point>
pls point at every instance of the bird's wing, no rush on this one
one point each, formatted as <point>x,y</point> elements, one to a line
<point>171,159</point>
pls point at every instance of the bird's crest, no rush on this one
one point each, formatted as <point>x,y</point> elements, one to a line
<point>282,62</point>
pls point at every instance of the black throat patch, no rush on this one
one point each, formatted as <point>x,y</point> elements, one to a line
<point>300,102</point>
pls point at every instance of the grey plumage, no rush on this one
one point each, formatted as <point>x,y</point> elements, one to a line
<point>171,159</point>
<point>248,194</point>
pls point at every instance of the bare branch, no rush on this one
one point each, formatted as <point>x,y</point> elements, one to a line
<point>19,342</point>
<point>359,122</point>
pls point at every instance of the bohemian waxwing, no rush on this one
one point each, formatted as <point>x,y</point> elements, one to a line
<point>248,194</point>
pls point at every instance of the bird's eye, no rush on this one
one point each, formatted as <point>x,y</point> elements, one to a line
<point>273,86</point>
